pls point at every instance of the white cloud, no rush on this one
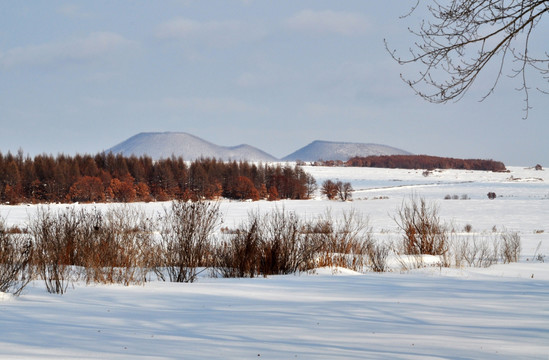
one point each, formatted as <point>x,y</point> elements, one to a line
<point>328,21</point>
<point>78,49</point>
<point>213,33</point>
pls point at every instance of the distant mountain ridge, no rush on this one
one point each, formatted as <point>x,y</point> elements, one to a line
<point>160,145</point>
<point>331,150</point>
<point>163,145</point>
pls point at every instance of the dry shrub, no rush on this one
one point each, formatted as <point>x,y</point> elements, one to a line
<point>484,251</point>
<point>54,236</point>
<point>118,245</point>
<point>269,244</point>
<point>111,247</point>
<point>345,242</point>
<point>186,231</point>
<point>480,251</point>
<point>238,256</point>
<point>377,255</point>
<point>285,249</point>
<point>510,247</point>
<point>15,256</point>
<point>424,233</point>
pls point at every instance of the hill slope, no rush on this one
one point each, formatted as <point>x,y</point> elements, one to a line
<point>329,150</point>
<point>189,147</point>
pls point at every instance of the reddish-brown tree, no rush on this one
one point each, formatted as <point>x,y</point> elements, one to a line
<point>160,194</point>
<point>263,193</point>
<point>245,189</point>
<point>213,190</point>
<point>12,194</point>
<point>87,189</point>
<point>273,194</point>
<point>64,178</point>
<point>143,192</point>
<point>123,191</point>
<point>425,162</point>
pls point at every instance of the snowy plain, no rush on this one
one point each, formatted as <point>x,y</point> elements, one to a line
<point>500,312</point>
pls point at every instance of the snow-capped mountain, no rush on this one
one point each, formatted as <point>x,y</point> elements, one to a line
<point>163,145</point>
<point>160,145</point>
<point>329,150</point>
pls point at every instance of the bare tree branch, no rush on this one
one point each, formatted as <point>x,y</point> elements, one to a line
<point>463,36</point>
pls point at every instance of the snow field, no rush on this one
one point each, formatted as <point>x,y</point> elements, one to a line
<point>500,312</point>
<point>397,316</point>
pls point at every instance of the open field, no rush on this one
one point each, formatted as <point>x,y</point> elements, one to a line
<point>431,312</point>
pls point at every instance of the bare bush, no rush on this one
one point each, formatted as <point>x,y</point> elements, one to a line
<point>510,247</point>
<point>377,255</point>
<point>54,236</point>
<point>137,252</point>
<point>344,242</point>
<point>480,252</point>
<point>424,233</point>
<point>281,243</point>
<point>15,256</point>
<point>118,245</point>
<point>458,251</point>
<point>238,256</point>
<point>111,247</point>
<point>285,249</point>
<point>186,235</point>
<point>484,251</point>
<point>275,243</point>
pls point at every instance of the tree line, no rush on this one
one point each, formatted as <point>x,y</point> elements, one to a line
<point>107,177</point>
<point>424,162</point>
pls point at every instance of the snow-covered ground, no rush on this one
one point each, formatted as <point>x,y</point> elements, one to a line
<point>428,313</point>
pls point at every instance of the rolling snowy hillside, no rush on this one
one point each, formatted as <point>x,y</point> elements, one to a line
<point>329,150</point>
<point>159,145</point>
<point>189,147</point>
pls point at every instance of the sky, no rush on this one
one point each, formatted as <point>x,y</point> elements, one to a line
<point>83,76</point>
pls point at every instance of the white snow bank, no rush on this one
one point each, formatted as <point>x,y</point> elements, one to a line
<point>334,270</point>
<point>389,316</point>
<point>5,296</point>
<point>408,262</point>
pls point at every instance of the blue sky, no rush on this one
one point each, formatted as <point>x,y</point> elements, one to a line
<point>80,77</point>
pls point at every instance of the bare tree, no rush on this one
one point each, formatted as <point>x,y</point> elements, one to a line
<point>330,189</point>
<point>463,36</point>
<point>311,185</point>
<point>344,190</point>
